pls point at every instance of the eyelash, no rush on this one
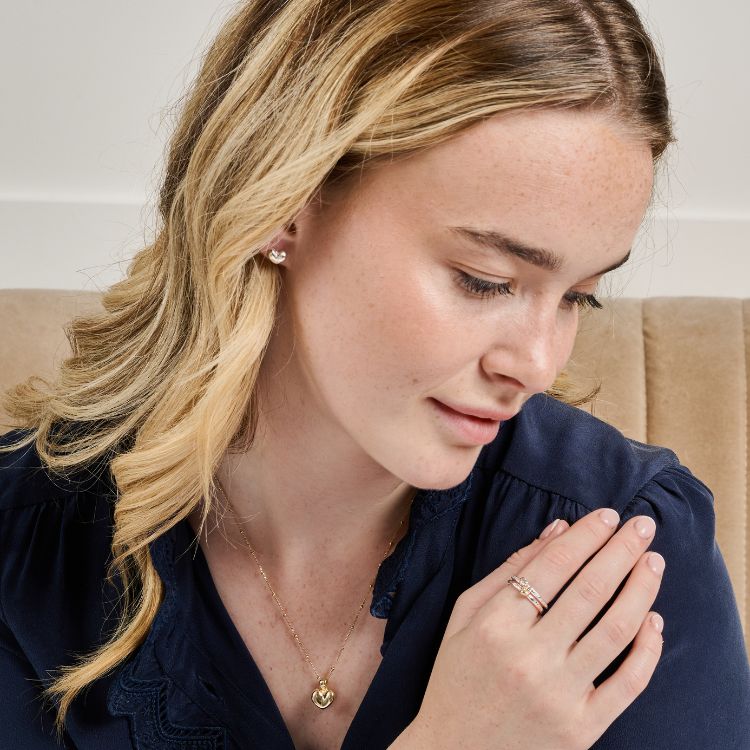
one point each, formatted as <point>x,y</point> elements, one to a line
<point>486,289</point>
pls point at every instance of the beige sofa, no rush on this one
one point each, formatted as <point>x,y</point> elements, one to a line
<point>675,371</point>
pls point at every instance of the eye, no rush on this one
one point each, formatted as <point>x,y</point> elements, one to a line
<point>481,287</point>
<point>583,300</point>
<point>487,289</point>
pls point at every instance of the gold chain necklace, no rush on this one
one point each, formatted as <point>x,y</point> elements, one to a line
<point>323,695</point>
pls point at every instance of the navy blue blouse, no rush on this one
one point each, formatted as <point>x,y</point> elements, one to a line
<point>194,684</point>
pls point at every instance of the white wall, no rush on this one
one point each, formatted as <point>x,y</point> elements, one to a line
<point>85,89</point>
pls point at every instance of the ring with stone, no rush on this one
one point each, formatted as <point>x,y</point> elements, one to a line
<point>526,590</point>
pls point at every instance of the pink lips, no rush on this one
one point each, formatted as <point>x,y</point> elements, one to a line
<point>493,414</point>
<point>476,429</point>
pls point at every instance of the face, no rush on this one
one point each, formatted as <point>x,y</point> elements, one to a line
<point>380,318</point>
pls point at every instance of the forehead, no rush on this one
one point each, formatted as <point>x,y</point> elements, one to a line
<point>555,145</point>
<point>562,179</point>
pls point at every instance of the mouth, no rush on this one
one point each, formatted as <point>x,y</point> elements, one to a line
<point>474,429</point>
<point>486,414</point>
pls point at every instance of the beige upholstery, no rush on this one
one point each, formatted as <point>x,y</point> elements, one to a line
<point>675,371</point>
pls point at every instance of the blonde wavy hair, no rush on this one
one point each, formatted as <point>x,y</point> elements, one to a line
<point>291,97</point>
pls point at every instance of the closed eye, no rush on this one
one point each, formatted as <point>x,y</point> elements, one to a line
<point>487,289</point>
<point>482,287</point>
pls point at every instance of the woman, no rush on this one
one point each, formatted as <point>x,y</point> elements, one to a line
<point>341,363</point>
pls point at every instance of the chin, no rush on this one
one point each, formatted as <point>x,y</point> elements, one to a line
<point>447,469</point>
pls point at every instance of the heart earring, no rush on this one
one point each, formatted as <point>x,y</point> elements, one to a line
<point>277,256</point>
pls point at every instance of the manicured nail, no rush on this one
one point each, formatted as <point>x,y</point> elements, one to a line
<point>657,621</point>
<point>645,526</point>
<point>549,529</point>
<point>609,516</point>
<point>655,562</point>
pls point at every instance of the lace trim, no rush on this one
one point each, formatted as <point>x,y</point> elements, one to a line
<point>144,703</point>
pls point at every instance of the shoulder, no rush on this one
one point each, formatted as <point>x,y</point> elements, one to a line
<point>562,450</point>
<point>553,460</point>
<point>557,461</point>
<point>55,532</point>
<point>24,480</point>
<point>30,490</point>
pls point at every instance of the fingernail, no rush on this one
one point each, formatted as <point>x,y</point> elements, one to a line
<point>645,526</point>
<point>549,529</point>
<point>657,621</point>
<point>609,516</point>
<point>655,562</point>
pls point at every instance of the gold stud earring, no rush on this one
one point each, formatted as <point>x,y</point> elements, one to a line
<point>277,256</point>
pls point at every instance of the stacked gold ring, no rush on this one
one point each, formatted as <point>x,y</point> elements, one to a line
<point>524,588</point>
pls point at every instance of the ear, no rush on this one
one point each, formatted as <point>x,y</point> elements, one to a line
<point>287,238</point>
<point>282,241</point>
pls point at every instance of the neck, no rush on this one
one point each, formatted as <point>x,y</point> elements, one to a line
<point>306,491</point>
<point>300,506</point>
<point>290,523</point>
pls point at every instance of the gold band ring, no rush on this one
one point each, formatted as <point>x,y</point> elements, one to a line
<point>525,589</point>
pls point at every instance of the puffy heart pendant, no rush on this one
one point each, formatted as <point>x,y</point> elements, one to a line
<point>323,696</point>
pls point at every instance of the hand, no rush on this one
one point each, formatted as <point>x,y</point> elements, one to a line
<point>506,679</point>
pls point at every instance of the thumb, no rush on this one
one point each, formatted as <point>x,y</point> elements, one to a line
<point>475,597</point>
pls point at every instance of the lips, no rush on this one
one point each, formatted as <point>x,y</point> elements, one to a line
<point>490,414</point>
<point>468,429</point>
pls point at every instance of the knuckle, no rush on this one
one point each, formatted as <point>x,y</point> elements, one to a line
<point>487,631</point>
<point>654,646</point>
<point>516,559</point>
<point>521,672</point>
<point>646,581</point>
<point>616,631</point>
<point>593,588</point>
<point>597,531</point>
<point>558,556</point>
<point>632,545</point>
<point>633,682</point>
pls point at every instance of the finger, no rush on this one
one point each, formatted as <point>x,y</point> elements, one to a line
<point>474,598</point>
<point>498,578</point>
<point>617,692</point>
<point>597,583</point>
<point>555,563</point>
<point>622,621</point>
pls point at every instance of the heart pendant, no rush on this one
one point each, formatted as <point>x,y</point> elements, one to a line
<point>323,696</point>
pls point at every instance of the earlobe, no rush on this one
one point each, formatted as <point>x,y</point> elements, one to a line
<point>277,256</point>
<point>272,249</point>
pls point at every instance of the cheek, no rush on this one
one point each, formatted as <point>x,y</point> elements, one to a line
<point>403,329</point>
<point>367,329</point>
<point>424,326</point>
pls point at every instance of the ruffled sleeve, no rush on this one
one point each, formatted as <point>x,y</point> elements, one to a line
<point>699,695</point>
<point>54,604</point>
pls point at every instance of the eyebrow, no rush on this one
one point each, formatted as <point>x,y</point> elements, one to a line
<point>507,246</point>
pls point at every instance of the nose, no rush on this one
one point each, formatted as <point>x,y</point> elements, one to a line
<point>527,352</point>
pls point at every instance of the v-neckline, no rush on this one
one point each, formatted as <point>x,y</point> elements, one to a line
<point>410,604</point>
<point>266,699</point>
